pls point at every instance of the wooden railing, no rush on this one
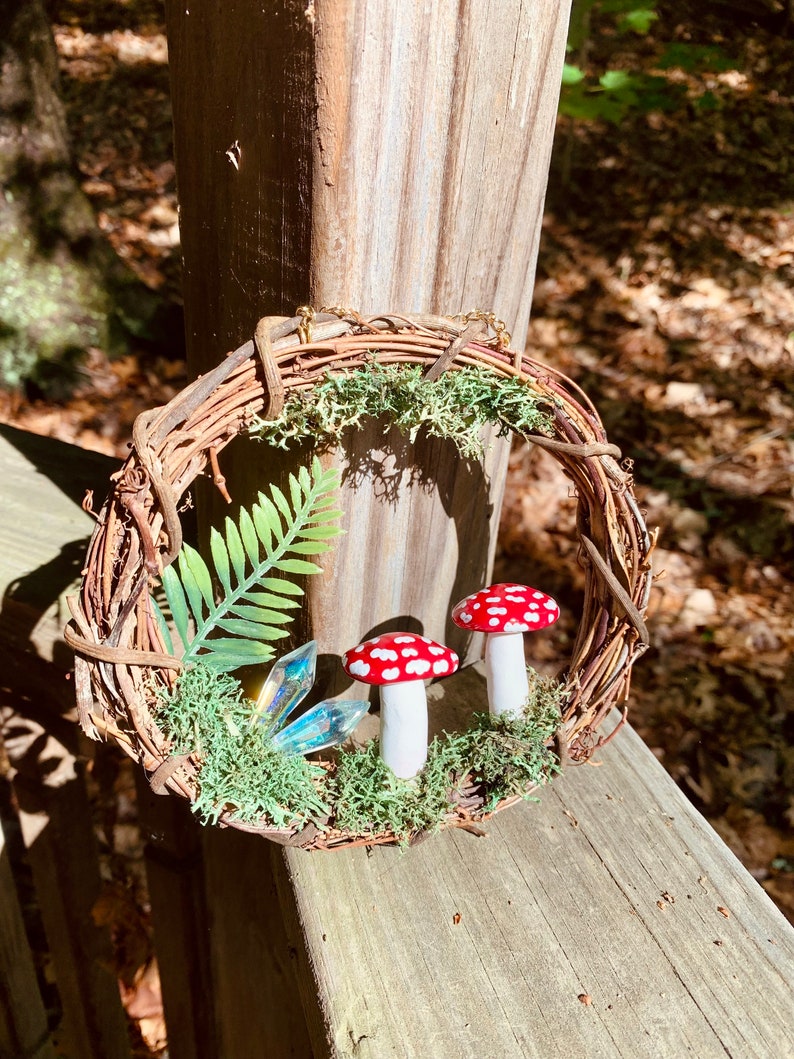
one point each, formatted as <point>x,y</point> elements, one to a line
<point>607,920</point>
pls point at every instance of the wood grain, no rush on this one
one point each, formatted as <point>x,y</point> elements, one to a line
<point>23,1020</point>
<point>609,889</point>
<point>175,879</point>
<point>42,541</point>
<point>434,131</point>
<point>256,997</point>
<point>390,156</point>
<point>430,157</point>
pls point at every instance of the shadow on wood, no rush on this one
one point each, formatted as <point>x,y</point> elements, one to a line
<point>42,743</point>
<point>254,966</point>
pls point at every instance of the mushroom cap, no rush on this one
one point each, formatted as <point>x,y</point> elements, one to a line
<point>396,657</point>
<point>506,608</point>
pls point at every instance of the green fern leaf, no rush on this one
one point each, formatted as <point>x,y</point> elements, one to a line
<point>296,566</point>
<point>253,630</point>
<point>220,557</point>
<point>276,584</point>
<point>250,538</point>
<point>200,574</point>
<point>162,624</point>
<point>319,533</point>
<point>232,652</point>
<point>236,550</point>
<point>190,584</point>
<point>265,514</point>
<point>266,599</point>
<point>256,613</point>
<point>328,515</point>
<point>310,547</point>
<point>281,501</point>
<point>296,492</point>
<point>177,602</point>
<point>255,605</point>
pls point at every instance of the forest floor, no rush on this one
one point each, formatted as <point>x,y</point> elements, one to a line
<point>664,288</point>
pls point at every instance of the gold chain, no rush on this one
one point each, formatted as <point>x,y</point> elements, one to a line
<point>503,336</point>
<point>340,311</point>
<point>307,314</point>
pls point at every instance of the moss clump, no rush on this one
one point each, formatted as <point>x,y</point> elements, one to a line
<point>370,798</point>
<point>53,301</point>
<point>457,405</point>
<point>241,771</point>
<point>502,756</point>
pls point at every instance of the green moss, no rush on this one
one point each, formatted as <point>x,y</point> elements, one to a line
<point>457,405</point>
<point>53,306</point>
<point>241,771</point>
<point>370,798</point>
<point>501,756</point>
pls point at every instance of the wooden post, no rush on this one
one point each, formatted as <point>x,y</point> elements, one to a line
<point>23,1021</point>
<point>175,875</point>
<point>384,156</point>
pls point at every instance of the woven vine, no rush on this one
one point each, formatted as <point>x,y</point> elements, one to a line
<point>120,656</point>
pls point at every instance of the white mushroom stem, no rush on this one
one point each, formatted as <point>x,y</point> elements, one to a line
<point>506,673</point>
<point>403,727</point>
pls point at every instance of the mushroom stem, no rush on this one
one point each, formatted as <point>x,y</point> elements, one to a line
<point>403,727</point>
<point>506,673</point>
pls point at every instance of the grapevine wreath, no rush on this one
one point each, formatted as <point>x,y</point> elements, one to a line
<point>182,715</point>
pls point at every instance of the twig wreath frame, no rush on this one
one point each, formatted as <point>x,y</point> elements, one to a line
<point>119,647</point>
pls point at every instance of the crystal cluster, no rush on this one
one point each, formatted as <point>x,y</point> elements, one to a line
<point>289,681</point>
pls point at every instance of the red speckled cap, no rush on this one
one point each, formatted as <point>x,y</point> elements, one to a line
<point>396,657</point>
<point>506,608</point>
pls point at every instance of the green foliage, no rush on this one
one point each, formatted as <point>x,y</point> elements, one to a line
<point>241,771</point>
<point>53,306</point>
<point>613,94</point>
<point>274,536</point>
<point>622,16</point>
<point>694,58</point>
<point>456,406</point>
<point>638,20</point>
<point>503,755</point>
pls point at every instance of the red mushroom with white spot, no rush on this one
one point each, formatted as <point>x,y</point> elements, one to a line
<point>504,613</point>
<point>400,662</point>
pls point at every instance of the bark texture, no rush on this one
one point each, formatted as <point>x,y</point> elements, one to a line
<point>53,297</point>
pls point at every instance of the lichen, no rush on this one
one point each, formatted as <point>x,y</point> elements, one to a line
<point>457,405</point>
<point>241,772</point>
<point>53,305</point>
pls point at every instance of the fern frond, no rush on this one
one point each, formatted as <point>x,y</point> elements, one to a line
<point>254,608</point>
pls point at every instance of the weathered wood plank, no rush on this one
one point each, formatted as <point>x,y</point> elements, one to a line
<point>610,888</point>
<point>257,1005</point>
<point>434,131</point>
<point>42,542</point>
<point>175,877</point>
<point>23,1021</point>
